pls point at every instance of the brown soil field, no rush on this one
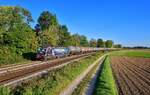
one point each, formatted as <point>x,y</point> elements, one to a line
<point>132,75</point>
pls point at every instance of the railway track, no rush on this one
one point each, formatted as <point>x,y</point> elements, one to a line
<point>15,74</point>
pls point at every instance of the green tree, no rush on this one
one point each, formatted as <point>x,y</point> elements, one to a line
<point>16,35</point>
<point>48,37</point>
<point>75,40</point>
<point>47,19</point>
<point>100,43</point>
<point>93,43</point>
<point>64,36</point>
<point>83,41</point>
<point>109,43</point>
<point>14,17</point>
<point>48,24</point>
<point>117,46</point>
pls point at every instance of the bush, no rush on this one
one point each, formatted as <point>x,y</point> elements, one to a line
<point>17,47</point>
<point>8,57</point>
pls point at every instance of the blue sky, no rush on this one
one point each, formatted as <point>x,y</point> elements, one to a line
<point>125,21</point>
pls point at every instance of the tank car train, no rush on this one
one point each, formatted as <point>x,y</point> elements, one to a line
<point>58,52</point>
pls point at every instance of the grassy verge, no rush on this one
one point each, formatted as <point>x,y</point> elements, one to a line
<point>57,79</point>
<point>132,53</point>
<point>82,86</point>
<point>105,83</point>
<point>4,90</point>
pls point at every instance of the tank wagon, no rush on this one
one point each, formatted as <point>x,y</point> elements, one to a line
<point>74,50</point>
<point>60,52</point>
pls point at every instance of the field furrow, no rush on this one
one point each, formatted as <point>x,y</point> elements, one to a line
<point>131,74</point>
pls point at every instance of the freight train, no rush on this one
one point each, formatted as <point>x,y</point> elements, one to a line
<point>58,52</point>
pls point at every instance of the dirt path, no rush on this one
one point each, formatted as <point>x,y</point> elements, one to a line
<point>132,75</point>
<point>70,88</point>
<point>91,85</point>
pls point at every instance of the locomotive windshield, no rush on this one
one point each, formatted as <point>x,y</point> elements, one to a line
<point>41,50</point>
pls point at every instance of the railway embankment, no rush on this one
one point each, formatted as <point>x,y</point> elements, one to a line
<point>58,79</point>
<point>13,75</point>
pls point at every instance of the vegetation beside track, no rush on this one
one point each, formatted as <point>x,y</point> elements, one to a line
<point>132,53</point>
<point>105,83</point>
<point>56,80</point>
<point>4,90</point>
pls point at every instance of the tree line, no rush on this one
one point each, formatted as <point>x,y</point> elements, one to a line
<point>18,40</point>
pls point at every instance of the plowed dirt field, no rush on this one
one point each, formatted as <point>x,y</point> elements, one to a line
<point>132,75</point>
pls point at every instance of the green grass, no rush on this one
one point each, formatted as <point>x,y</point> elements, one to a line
<point>105,84</point>
<point>132,53</point>
<point>4,90</point>
<point>57,80</point>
